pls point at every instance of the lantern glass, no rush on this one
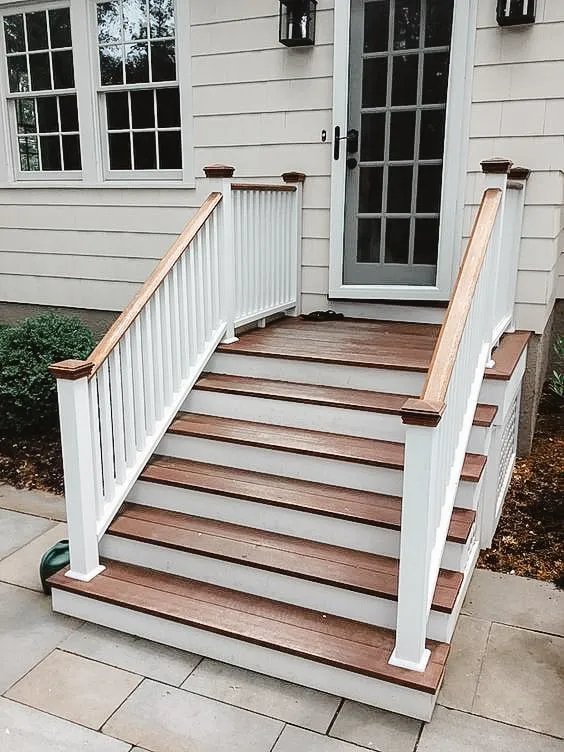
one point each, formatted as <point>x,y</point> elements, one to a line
<point>297,22</point>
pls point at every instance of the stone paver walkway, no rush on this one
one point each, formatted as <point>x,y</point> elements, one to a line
<point>65,685</point>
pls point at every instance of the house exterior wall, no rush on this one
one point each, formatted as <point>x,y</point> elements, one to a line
<point>262,108</point>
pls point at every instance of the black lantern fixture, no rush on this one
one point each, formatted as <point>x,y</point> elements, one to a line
<point>514,12</point>
<point>297,22</point>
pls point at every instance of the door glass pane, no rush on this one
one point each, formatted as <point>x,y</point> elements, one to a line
<point>397,241</point>
<point>429,188</point>
<point>399,189</point>
<point>170,150</point>
<point>432,134</point>
<point>368,250</point>
<point>426,241</point>
<point>376,17</point>
<point>404,79</point>
<point>435,77</point>
<point>371,179</point>
<point>402,135</point>
<point>438,23</point>
<point>407,23</point>
<point>372,137</point>
<point>374,82</point>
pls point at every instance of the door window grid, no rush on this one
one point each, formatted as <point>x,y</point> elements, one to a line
<point>144,29</point>
<point>384,224</point>
<point>38,48</point>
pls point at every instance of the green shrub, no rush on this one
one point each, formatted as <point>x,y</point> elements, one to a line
<point>28,392</point>
<point>556,381</point>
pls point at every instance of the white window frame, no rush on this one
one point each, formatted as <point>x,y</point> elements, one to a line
<point>91,112</point>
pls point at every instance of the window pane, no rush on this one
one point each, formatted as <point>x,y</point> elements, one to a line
<point>376,26</point>
<point>432,134</point>
<point>111,69</point>
<point>404,79</point>
<point>399,189</point>
<point>25,116</point>
<point>120,153</point>
<point>71,153</point>
<point>117,110</point>
<point>50,153</point>
<point>406,28</point>
<point>142,109</point>
<point>40,71</point>
<point>426,241</point>
<point>134,19</point>
<point>168,108</point>
<point>438,25</point>
<point>374,82</point>
<point>170,150</point>
<point>368,245</point>
<point>17,73</point>
<point>402,135</point>
<point>161,18</point>
<point>136,63</point>
<point>29,154</point>
<point>37,30</point>
<point>144,151</point>
<point>429,188</point>
<point>397,241</point>
<point>14,33</point>
<point>109,22</point>
<point>163,61</point>
<point>435,77</point>
<point>69,113</point>
<point>372,137</point>
<point>63,72</point>
<point>47,114</point>
<point>60,27</point>
<point>370,190</point>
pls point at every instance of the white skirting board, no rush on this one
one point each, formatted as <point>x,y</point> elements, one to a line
<point>271,662</point>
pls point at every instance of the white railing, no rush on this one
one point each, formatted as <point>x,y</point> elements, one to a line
<point>116,406</point>
<point>438,423</point>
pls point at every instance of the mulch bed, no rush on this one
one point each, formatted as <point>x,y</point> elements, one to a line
<point>32,463</point>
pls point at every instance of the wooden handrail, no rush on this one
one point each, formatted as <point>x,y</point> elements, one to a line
<point>427,409</point>
<point>134,308</point>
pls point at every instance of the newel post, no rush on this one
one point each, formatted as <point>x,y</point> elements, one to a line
<point>224,173</point>
<point>513,227</point>
<point>297,179</point>
<point>78,464</point>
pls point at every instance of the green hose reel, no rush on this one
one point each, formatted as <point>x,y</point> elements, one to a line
<point>52,561</point>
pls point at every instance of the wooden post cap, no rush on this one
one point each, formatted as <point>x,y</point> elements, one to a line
<point>219,171</point>
<point>71,370</point>
<point>419,412</point>
<point>496,166</point>
<point>294,177</point>
<point>519,173</point>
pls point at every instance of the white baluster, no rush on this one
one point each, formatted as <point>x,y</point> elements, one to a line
<point>156,319</point>
<point>146,332</point>
<point>139,386</point>
<point>228,264</point>
<point>175,336</point>
<point>166,336</point>
<point>183,315</point>
<point>192,299</point>
<point>128,399</point>
<point>116,398</point>
<point>98,486</point>
<point>106,437</point>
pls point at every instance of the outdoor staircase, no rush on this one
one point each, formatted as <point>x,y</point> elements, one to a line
<point>265,530</point>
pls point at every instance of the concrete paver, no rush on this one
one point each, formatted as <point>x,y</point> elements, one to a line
<point>131,653</point>
<point>263,694</point>
<point>38,503</point>
<point>29,631</point>
<point>522,680</point>
<point>464,663</point>
<point>22,567</point>
<point>295,739</point>
<point>376,729</point>
<point>164,719</point>
<point>19,529</point>
<point>75,688</point>
<point>517,601</point>
<point>24,729</point>
<point>454,731</point>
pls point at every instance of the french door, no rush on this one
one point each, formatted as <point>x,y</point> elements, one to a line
<point>399,54</point>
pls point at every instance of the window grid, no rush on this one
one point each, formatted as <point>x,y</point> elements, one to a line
<point>26,133</point>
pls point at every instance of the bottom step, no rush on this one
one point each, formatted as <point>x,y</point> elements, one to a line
<point>328,653</point>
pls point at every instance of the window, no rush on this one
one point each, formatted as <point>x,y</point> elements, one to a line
<point>42,96</point>
<point>94,90</point>
<point>139,86</point>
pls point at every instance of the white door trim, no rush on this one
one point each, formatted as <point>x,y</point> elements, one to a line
<point>455,159</point>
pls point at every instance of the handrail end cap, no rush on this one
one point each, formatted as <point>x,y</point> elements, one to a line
<point>71,370</point>
<point>420,412</point>
<point>294,177</point>
<point>496,166</point>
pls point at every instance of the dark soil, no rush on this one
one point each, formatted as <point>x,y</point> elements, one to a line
<point>34,462</point>
<point>530,537</point>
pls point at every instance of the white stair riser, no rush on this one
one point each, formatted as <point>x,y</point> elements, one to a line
<point>278,664</point>
<point>386,312</point>
<point>364,423</point>
<point>327,599</point>
<point>289,464</point>
<point>276,519</point>
<point>327,374</point>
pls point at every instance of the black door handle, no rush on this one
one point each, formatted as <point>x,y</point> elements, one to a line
<point>351,139</point>
<point>352,162</point>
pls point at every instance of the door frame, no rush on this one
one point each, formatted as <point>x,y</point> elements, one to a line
<point>457,131</point>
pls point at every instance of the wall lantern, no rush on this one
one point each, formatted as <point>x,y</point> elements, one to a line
<point>297,22</point>
<point>513,12</point>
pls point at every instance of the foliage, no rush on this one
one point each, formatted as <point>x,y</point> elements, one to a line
<point>556,381</point>
<point>28,392</point>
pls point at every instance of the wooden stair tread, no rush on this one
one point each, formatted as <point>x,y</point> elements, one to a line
<point>318,562</point>
<point>298,440</point>
<point>327,639</point>
<point>314,394</point>
<point>507,355</point>
<point>360,506</point>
